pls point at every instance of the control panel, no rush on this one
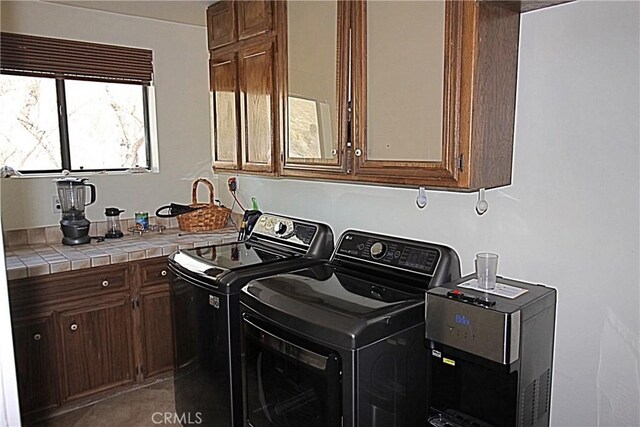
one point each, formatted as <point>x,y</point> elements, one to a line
<point>285,229</point>
<point>454,319</point>
<point>399,253</point>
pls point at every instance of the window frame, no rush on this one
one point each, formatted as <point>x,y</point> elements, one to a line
<point>40,57</point>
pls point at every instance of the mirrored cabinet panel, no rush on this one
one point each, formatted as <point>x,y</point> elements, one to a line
<point>315,82</point>
<point>419,101</point>
<point>386,92</point>
<point>404,81</point>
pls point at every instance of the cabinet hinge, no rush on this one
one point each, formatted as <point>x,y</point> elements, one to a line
<point>139,369</point>
<point>461,162</point>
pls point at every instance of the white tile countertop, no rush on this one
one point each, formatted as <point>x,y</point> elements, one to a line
<point>40,259</point>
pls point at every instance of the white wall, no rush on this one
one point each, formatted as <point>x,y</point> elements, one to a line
<point>9,402</point>
<point>571,217</point>
<point>182,102</point>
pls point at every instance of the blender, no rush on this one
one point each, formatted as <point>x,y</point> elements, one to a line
<point>74,225</point>
<point>114,231</point>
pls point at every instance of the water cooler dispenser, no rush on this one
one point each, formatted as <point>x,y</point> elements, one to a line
<point>490,354</point>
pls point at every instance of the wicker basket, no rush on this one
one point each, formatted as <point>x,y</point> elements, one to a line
<point>208,216</point>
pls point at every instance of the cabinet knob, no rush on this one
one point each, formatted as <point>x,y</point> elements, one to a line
<point>105,283</point>
<point>334,152</point>
<point>358,152</point>
<point>74,327</point>
<point>37,337</point>
<point>163,273</point>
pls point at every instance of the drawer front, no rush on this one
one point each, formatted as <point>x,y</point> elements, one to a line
<point>69,286</point>
<point>154,272</point>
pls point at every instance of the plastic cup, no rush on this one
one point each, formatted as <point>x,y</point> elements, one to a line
<point>486,270</point>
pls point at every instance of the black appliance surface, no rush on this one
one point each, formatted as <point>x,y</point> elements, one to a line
<point>490,361</point>
<point>366,314</point>
<point>205,286</point>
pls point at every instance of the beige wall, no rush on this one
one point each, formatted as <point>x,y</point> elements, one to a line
<point>182,106</point>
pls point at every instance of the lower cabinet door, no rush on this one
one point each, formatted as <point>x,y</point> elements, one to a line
<point>97,348</point>
<point>156,330</point>
<point>35,350</point>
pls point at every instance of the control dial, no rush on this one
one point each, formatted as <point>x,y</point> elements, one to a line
<point>378,249</point>
<point>280,228</point>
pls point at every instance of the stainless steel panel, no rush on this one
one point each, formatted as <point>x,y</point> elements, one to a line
<point>484,332</point>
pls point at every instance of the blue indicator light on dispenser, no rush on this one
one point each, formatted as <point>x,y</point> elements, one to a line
<point>461,320</point>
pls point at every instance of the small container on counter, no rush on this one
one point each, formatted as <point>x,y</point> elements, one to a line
<point>142,218</point>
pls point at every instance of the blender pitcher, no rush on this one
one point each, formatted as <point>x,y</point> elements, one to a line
<point>74,225</point>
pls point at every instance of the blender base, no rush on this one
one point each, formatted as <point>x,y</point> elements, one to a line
<point>71,241</point>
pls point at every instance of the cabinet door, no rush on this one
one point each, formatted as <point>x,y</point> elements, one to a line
<point>258,107</point>
<point>254,17</point>
<point>221,24</point>
<point>430,100</point>
<point>97,347</point>
<point>224,110</point>
<point>316,87</point>
<point>36,362</point>
<point>156,330</point>
<point>399,103</point>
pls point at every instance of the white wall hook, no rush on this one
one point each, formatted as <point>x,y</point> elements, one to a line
<point>421,200</point>
<point>482,206</point>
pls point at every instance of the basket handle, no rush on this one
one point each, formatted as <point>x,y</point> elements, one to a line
<point>194,190</point>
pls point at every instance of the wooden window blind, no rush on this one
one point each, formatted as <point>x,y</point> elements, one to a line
<point>70,59</point>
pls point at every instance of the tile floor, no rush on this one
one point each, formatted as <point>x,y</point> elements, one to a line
<point>136,408</point>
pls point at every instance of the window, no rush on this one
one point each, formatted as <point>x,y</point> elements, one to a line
<point>76,106</point>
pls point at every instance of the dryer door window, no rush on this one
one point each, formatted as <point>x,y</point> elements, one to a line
<point>289,382</point>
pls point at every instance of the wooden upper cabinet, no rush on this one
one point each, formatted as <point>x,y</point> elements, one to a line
<point>243,90</point>
<point>315,82</point>
<point>258,106</point>
<point>230,21</point>
<point>223,80</point>
<point>442,114</point>
<point>221,24</point>
<point>431,100</point>
<point>254,17</point>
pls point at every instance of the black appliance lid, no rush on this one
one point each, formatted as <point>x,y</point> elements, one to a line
<point>343,310</point>
<point>218,260</point>
<point>273,238</point>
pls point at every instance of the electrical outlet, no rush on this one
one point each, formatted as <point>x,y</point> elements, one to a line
<point>232,183</point>
<point>55,205</point>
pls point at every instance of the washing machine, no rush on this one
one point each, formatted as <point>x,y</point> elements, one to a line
<point>344,348</point>
<point>205,287</point>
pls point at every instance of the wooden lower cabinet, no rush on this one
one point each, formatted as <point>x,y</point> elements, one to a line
<point>81,342</point>
<point>156,326</point>
<point>34,344</point>
<point>96,348</point>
